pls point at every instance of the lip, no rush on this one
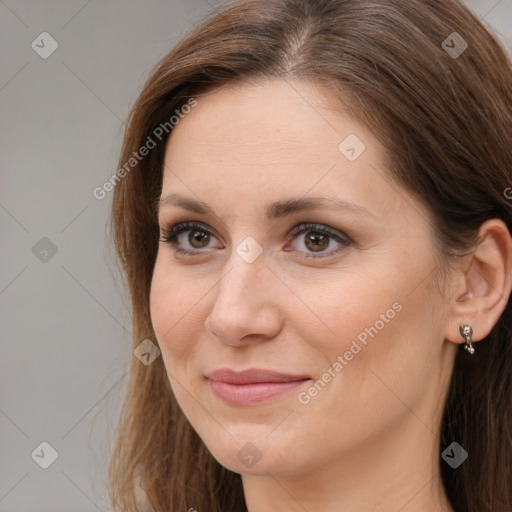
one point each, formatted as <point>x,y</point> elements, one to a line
<point>252,386</point>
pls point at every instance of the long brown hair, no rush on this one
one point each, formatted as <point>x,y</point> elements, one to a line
<point>442,110</point>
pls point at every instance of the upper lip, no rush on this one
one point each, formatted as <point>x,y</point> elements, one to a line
<point>252,375</point>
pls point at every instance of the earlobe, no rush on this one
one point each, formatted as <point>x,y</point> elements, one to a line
<point>484,285</point>
<point>466,331</point>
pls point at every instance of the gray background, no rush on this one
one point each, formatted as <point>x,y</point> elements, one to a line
<point>65,323</point>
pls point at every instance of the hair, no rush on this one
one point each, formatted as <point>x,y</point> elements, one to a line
<point>445,122</point>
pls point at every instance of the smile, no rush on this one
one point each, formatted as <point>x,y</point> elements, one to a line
<point>252,386</point>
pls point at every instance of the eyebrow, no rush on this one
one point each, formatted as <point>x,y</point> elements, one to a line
<point>275,210</point>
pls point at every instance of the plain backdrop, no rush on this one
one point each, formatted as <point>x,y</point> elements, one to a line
<point>65,320</point>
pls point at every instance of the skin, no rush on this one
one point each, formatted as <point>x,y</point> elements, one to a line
<point>369,440</point>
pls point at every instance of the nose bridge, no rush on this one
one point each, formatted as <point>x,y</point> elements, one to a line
<point>239,286</point>
<point>243,299</point>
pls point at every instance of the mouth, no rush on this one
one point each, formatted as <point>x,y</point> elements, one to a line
<point>252,386</point>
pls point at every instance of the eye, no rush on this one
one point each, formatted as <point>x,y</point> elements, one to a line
<point>318,239</point>
<point>199,237</point>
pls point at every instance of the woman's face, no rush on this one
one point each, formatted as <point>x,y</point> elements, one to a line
<point>305,260</point>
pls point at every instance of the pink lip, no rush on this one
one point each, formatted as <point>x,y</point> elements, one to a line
<point>252,386</point>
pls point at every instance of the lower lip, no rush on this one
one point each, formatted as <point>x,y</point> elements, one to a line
<point>248,394</point>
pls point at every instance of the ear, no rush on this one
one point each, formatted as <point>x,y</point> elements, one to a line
<point>482,283</point>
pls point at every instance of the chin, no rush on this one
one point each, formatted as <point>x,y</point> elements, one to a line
<point>261,467</point>
<point>257,457</point>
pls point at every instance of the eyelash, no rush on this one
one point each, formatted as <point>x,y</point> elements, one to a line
<point>170,235</point>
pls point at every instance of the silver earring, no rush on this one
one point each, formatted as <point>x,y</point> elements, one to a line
<point>466,331</point>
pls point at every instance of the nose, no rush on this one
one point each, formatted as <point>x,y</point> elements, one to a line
<point>246,306</point>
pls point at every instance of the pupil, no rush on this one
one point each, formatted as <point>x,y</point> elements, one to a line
<point>197,236</point>
<point>315,239</point>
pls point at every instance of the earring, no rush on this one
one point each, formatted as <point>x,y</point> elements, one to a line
<point>466,331</point>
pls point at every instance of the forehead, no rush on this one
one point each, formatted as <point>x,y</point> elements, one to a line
<point>276,120</point>
<point>273,140</point>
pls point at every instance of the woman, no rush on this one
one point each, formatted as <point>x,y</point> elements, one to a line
<point>315,232</point>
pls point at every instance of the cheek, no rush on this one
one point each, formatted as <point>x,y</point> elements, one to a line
<point>175,323</point>
<point>388,353</point>
<point>373,324</point>
<point>171,313</point>
<point>350,307</point>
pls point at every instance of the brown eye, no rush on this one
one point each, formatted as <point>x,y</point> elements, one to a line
<point>316,242</point>
<point>317,238</point>
<point>198,239</point>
